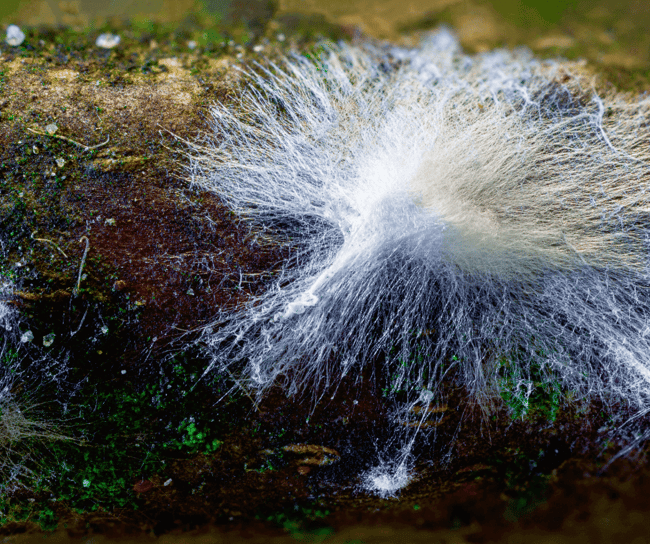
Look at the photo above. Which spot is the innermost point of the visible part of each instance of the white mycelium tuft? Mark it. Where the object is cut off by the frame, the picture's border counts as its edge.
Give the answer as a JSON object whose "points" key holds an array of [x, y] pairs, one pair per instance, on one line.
{"points": [[438, 205]]}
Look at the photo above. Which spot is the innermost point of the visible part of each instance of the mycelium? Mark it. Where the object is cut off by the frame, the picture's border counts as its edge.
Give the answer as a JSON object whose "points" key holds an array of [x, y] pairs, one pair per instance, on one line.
{"points": [[469, 209]]}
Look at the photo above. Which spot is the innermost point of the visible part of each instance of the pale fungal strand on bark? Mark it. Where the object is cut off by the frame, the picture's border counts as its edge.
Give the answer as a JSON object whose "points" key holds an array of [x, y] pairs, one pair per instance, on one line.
{"points": [[497, 200]]}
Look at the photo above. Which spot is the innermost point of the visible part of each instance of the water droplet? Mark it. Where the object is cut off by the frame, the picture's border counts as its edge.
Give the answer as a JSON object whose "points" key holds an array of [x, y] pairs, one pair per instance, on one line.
{"points": [[107, 40], [48, 340], [15, 36]]}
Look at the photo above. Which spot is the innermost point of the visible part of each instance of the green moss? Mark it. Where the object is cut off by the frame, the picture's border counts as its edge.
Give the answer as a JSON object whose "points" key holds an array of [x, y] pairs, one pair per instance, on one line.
{"points": [[529, 390], [304, 524], [123, 435]]}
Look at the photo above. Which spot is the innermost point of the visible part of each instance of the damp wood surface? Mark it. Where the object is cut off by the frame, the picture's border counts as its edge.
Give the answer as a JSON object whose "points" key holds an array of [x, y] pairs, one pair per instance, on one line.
{"points": [[161, 258]]}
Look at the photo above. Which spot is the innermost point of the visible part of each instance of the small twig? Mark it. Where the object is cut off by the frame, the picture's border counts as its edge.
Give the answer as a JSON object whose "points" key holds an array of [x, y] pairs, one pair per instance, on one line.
{"points": [[83, 262], [80, 324], [49, 242], [86, 147]]}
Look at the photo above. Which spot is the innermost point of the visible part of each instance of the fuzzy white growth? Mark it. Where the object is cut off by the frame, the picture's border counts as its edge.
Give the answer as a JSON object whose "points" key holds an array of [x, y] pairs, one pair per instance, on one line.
{"points": [[485, 207], [388, 478], [8, 320], [12, 422], [21, 422]]}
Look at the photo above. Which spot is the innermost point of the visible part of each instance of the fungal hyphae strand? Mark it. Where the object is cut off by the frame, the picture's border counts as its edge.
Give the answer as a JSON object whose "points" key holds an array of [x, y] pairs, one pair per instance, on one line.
{"points": [[495, 199]]}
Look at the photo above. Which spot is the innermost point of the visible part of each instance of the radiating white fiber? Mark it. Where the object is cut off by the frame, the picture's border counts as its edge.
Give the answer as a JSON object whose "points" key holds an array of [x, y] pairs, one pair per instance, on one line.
{"points": [[440, 204]]}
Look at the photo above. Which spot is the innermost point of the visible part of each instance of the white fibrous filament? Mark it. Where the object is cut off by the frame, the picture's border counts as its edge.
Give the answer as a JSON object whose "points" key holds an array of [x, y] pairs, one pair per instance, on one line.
{"points": [[496, 199]]}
